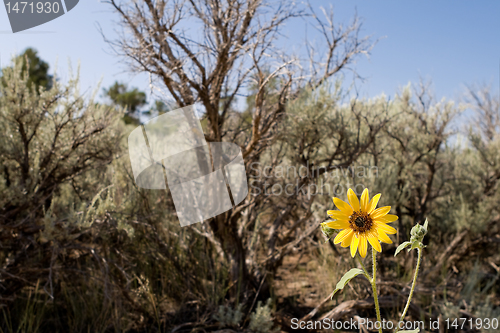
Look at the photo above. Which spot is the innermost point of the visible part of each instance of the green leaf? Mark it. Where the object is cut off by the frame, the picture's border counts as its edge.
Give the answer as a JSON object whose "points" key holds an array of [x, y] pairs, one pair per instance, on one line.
{"points": [[346, 278], [426, 223], [415, 244], [416, 330], [401, 247]]}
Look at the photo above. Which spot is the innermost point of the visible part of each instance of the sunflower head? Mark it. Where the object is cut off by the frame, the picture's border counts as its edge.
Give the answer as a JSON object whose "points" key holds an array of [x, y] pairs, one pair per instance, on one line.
{"points": [[361, 222]]}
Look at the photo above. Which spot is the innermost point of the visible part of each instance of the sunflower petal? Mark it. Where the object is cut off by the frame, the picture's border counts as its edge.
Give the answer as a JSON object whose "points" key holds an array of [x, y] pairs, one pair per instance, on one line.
{"points": [[373, 203], [341, 236], [339, 224], [338, 214], [385, 228], [362, 246], [347, 241], [373, 239], [343, 206], [382, 236], [387, 218], [354, 245], [364, 200], [380, 212], [353, 199]]}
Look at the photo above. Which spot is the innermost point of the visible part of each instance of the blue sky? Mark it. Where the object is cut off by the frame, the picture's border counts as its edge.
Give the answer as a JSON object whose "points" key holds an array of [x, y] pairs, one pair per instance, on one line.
{"points": [[452, 43]]}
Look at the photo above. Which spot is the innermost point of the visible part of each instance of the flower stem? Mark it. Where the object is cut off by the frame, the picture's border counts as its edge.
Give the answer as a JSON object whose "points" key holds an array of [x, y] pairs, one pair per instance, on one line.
{"points": [[373, 283], [367, 275], [374, 288], [419, 250]]}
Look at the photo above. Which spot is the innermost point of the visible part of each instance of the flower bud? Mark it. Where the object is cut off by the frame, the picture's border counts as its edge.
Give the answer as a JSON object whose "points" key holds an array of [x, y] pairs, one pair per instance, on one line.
{"points": [[327, 231], [418, 232]]}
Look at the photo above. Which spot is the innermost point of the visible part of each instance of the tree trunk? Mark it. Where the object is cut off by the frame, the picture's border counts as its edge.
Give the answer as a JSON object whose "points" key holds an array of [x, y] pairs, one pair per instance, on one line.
{"points": [[225, 230]]}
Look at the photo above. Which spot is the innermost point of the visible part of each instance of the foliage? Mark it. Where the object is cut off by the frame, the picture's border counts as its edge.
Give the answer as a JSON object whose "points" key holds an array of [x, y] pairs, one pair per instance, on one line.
{"points": [[351, 274], [226, 316], [417, 235], [37, 70], [80, 238], [131, 100], [261, 320], [54, 139], [113, 255]]}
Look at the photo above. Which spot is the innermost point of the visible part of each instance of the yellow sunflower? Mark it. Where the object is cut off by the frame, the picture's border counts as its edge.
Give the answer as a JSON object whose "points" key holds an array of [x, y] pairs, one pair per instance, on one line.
{"points": [[361, 223]]}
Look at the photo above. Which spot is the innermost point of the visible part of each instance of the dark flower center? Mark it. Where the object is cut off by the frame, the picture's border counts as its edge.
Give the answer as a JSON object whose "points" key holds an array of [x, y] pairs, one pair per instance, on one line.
{"points": [[360, 222]]}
